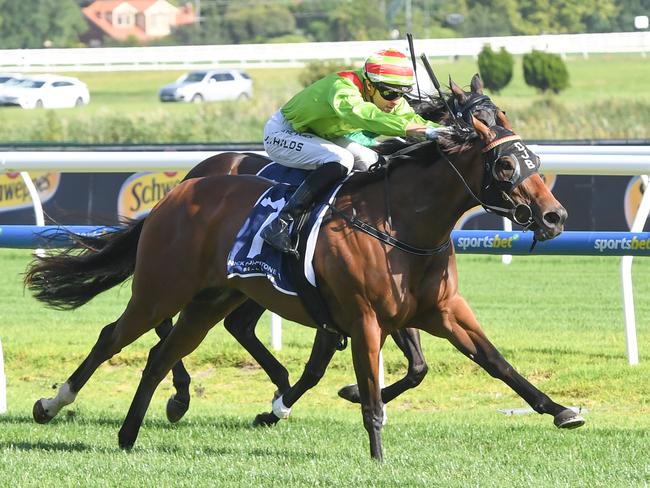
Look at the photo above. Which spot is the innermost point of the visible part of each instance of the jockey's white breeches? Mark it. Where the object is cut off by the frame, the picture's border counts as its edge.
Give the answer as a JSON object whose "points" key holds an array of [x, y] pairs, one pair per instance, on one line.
{"points": [[308, 151]]}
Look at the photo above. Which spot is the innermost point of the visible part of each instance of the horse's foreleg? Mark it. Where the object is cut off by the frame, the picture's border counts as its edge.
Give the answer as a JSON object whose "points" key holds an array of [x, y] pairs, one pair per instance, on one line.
{"points": [[408, 340], [468, 336], [111, 340], [196, 319], [366, 346], [321, 354], [178, 402], [241, 323]]}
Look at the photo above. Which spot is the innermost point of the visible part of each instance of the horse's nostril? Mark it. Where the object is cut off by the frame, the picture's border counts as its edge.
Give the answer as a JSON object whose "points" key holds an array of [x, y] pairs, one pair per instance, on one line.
{"points": [[556, 217], [551, 218]]}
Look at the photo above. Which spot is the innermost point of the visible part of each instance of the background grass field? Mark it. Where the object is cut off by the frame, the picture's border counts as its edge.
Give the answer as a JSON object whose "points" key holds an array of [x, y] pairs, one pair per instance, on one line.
{"points": [[608, 99], [557, 319]]}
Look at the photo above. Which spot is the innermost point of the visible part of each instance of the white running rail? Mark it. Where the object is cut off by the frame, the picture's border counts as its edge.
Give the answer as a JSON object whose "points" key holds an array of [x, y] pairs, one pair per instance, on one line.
{"points": [[297, 54]]}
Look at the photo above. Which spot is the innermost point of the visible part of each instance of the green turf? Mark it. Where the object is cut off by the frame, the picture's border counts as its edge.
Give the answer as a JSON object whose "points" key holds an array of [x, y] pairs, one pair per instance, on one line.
{"points": [[557, 319]]}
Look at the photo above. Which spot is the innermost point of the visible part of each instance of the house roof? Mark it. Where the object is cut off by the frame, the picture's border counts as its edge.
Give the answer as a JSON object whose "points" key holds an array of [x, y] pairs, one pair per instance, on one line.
{"points": [[94, 13]]}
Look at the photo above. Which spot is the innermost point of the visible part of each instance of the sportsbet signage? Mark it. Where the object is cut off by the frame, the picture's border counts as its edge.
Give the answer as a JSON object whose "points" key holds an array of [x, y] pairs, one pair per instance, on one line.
{"points": [[487, 241], [141, 191], [14, 194]]}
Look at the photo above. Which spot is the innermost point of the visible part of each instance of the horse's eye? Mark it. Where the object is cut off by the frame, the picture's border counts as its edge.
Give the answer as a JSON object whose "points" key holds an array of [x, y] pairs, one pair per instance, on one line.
{"points": [[504, 169]]}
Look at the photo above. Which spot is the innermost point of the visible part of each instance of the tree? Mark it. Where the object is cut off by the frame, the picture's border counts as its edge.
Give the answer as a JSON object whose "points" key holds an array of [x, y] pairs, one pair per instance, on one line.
{"points": [[545, 71], [342, 20], [531, 17], [495, 68], [30, 23], [628, 9], [258, 23]]}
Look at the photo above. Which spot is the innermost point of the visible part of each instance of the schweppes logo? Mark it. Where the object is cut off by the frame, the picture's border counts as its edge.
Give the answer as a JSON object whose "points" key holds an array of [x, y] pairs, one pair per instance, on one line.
{"points": [[141, 191], [14, 194], [633, 195]]}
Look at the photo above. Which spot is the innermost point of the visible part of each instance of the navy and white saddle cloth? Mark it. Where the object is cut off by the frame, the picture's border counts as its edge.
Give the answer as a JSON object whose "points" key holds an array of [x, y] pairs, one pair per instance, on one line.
{"points": [[251, 256]]}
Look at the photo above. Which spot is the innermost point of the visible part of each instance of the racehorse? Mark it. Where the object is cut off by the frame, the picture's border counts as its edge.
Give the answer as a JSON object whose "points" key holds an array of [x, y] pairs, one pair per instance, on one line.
{"points": [[242, 321], [371, 288]]}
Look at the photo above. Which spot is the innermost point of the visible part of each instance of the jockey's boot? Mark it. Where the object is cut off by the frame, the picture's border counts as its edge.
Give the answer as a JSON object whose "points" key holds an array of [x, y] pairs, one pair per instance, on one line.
{"points": [[277, 233]]}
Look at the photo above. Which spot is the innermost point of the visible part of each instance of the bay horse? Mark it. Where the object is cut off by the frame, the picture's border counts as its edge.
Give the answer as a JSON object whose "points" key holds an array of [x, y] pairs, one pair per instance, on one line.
{"points": [[371, 288], [242, 321]]}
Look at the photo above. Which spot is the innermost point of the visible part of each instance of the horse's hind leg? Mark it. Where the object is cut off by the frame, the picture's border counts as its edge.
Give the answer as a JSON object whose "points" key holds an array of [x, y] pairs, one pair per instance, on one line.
{"points": [[241, 323], [321, 354], [112, 339], [466, 334], [179, 402], [196, 319], [408, 340]]}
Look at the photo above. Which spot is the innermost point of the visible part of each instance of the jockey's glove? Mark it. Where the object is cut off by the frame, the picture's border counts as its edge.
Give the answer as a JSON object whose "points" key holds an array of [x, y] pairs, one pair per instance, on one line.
{"points": [[432, 133]]}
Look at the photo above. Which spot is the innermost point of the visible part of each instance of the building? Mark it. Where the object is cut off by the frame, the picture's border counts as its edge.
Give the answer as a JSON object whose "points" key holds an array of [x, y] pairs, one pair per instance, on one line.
{"points": [[142, 20]]}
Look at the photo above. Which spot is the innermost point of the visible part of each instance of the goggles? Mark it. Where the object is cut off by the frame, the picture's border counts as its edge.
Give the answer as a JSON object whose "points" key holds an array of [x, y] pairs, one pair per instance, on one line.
{"points": [[390, 93]]}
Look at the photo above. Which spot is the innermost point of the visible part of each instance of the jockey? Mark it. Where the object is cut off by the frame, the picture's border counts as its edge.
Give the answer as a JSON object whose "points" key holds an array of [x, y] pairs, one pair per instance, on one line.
{"points": [[329, 127]]}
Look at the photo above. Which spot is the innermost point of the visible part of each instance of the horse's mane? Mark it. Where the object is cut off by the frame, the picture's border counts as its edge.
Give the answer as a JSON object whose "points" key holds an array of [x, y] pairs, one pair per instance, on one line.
{"points": [[432, 108], [449, 143], [429, 107]]}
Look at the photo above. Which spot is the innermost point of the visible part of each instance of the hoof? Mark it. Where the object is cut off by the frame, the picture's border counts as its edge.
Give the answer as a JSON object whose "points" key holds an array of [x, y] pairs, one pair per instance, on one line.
{"points": [[39, 413], [350, 393], [265, 420], [568, 419], [176, 409], [125, 446], [125, 442]]}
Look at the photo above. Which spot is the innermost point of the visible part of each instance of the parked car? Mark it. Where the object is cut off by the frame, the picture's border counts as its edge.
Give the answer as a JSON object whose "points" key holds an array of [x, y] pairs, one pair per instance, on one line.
{"points": [[208, 85], [9, 79], [45, 91]]}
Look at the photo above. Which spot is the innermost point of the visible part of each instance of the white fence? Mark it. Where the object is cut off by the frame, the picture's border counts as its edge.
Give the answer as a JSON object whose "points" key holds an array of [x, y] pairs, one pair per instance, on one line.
{"points": [[558, 159], [297, 54]]}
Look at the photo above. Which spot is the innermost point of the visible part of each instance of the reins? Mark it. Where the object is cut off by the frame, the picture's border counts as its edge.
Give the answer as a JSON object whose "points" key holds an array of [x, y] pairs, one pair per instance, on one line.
{"points": [[386, 238], [357, 223], [486, 206]]}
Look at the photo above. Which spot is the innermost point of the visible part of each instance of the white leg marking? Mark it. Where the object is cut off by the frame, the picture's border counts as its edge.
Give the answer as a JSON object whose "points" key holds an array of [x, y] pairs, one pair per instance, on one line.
{"points": [[64, 397], [279, 409]]}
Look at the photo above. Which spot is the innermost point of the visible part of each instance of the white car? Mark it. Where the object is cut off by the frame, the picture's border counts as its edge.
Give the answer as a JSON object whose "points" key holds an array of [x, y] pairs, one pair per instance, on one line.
{"points": [[208, 85], [9, 79], [45, 91]]}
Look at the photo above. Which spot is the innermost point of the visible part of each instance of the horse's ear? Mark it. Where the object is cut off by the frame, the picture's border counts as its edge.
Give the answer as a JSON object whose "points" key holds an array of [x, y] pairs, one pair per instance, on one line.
{"points": [[483, 130], [477, 84], [457, 91], [503, 120]]}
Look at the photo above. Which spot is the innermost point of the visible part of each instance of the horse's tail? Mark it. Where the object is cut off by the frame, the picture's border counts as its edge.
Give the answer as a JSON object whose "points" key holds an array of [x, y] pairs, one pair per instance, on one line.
{"points": [[69, 279]]}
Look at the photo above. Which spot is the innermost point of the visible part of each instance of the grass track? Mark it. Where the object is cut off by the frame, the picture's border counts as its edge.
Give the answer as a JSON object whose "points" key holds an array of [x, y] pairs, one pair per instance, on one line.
{"points": [[557, 319]]}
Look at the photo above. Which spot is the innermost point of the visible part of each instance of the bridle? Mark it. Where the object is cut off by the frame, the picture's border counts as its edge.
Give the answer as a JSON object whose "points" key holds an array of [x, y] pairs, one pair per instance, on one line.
{"points": [[506, 143], [501, 146], [506, 139], [465, 110]]}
